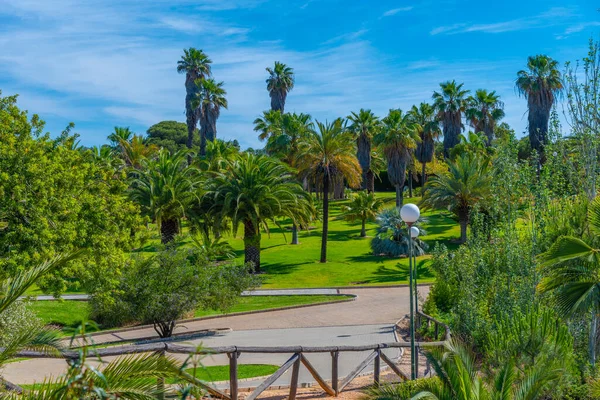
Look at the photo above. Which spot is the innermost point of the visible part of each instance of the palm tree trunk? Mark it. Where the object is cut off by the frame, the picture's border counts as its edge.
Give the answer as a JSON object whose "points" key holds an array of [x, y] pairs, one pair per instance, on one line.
{"points": [[463, 230], [169, 228], [363, 231], [399, 195], [252, 245], [422, 178], [592, 339], [295, 234], [370, 182], [325, 218], [363, 146], [410, 184]]}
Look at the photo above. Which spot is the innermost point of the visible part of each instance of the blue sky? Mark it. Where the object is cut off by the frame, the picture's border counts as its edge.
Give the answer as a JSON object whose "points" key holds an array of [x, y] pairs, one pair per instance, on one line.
{"points": [[106, 63]]}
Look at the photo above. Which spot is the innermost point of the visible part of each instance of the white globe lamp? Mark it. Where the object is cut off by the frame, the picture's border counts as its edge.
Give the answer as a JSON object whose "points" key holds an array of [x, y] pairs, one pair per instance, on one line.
{"points": [[410, 213], [414, 232]]}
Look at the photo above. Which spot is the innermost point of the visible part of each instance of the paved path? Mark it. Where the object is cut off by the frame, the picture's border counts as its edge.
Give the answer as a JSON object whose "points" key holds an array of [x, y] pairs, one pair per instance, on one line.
{"points": [[366, 320]]}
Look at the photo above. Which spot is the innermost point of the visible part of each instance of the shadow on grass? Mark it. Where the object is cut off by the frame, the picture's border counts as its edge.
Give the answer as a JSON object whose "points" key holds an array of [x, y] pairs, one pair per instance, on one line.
{"points": [[399, 273]]}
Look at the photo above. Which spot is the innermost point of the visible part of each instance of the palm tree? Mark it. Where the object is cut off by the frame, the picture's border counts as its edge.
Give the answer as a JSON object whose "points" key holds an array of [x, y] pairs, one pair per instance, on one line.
{"points": [[136, 150], [472, 143], [120, 134], [571, 270], [269, 124], [254, 190], [540, 84], [398, 138], [450, 104], [218, 154], [364, 207], [484, 111], [392, 240], [325, 155], [364, 126], [196, 65], [165, 188], [211, 99], [467, 183], [457, 378], [279, 84], [11, 289], [429, 130]]}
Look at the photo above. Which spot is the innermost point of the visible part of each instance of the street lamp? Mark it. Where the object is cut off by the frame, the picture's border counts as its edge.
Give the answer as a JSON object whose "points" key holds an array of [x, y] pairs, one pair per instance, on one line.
{"points": [[414, 233], [410, 214]]}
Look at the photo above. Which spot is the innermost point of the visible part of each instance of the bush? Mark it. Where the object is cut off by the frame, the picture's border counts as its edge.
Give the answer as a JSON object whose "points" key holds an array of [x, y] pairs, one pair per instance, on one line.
{"points": [[167, 287], [16, 320], [392, 239]]}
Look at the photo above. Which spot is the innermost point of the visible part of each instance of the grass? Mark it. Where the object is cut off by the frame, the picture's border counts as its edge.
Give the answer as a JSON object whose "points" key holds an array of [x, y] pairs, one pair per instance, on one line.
{"points": [[69, 313], [350, 261], [215, 373]]}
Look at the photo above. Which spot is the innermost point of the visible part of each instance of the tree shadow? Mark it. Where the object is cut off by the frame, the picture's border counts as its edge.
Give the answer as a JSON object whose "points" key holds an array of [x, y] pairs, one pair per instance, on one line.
{"points": [[399, 272]]}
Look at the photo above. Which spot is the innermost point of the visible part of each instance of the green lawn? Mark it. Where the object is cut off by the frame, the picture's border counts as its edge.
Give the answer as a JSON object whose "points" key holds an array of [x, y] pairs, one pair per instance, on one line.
{"points": [[215, 373], [69, 313], [350, 261]]}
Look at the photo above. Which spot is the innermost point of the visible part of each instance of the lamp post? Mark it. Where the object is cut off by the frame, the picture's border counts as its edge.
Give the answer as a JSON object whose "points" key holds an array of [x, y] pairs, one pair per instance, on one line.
{"points": [[410, 214], [414, 233]]}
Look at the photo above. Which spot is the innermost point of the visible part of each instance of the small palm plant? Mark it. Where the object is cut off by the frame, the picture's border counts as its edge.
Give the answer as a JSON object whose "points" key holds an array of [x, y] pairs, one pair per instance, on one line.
{"points": [[364, 207], [392, 236], [571, 269]]}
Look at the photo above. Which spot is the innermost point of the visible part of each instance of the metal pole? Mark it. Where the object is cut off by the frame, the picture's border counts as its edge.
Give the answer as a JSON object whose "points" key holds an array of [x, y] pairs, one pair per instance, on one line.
{"points": [[412, 314], [415, 278]]}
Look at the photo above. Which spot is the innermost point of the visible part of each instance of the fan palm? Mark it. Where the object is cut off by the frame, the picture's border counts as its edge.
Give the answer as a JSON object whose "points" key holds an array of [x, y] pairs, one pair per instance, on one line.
{"points": [[364, 207], [484, 111], [450, 103], [467, 183], [364, 126], [269, 124], [429, 130], [398, 138], [196, 65], [326, 154], [540, 84], [571, 270], [279, 84], [119, 134], [254, 190], [211, 99], [165, 188]]}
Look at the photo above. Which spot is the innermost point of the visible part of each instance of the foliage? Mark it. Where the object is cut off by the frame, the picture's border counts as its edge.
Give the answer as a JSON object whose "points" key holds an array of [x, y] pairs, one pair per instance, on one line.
{"points": [[16, 321], [364, 125], [210, 99], [363, 207], [279, 83], [392, 237], [484, 111], [450, 104], [172, 136], [162, 289], [54, 199]]}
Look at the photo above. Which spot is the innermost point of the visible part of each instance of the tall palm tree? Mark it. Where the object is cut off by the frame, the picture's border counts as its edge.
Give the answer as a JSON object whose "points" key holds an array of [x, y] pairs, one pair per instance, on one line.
{"points": [[196, 65], [450, 104], [571, 270], [279, 84], [398, 138], [429, 130], [364, 126], [326, 154], [484, 111], [211, 99], [254, 190], [467, 183], [457, 378], [165, 188], [363, 206], [540, 83]]}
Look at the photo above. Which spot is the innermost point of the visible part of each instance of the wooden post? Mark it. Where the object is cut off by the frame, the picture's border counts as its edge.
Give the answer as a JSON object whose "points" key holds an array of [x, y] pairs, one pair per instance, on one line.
{"points": [[334, 372], [233, 375], [377, 367], [437, 330], [294, 381]]}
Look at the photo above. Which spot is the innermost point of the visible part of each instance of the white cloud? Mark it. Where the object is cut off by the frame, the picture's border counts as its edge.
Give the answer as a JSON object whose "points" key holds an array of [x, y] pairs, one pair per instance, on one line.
{"points": [[395, 11]]}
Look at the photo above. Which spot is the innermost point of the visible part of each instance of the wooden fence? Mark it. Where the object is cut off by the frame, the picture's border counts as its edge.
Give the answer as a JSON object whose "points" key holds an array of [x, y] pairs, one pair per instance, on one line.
{"points": [[299, 357]]}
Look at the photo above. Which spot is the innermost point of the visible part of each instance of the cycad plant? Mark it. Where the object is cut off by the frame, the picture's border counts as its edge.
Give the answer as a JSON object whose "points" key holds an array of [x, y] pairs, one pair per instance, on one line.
{"points": [[392, 236], [364, 207], [571, 269]]}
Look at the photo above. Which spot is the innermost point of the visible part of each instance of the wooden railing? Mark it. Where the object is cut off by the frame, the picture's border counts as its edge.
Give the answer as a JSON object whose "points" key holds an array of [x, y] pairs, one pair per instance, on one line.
{"points": [[299, 357], [437, 325]]}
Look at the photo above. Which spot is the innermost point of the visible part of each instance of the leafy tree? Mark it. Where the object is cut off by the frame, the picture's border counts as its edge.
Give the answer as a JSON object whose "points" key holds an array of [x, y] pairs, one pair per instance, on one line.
{"points": [[196, 65], [429, 130], [540, 83], [450, 104], [364, 207], [324, 155], [364, 126], [252, 191], [165, 189], [467, 184], [211, 99], [570, 269], [484, 111], [279, 83], [55, 199], [171, 135], [398, 138], [392, 236], [169, 286]]}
